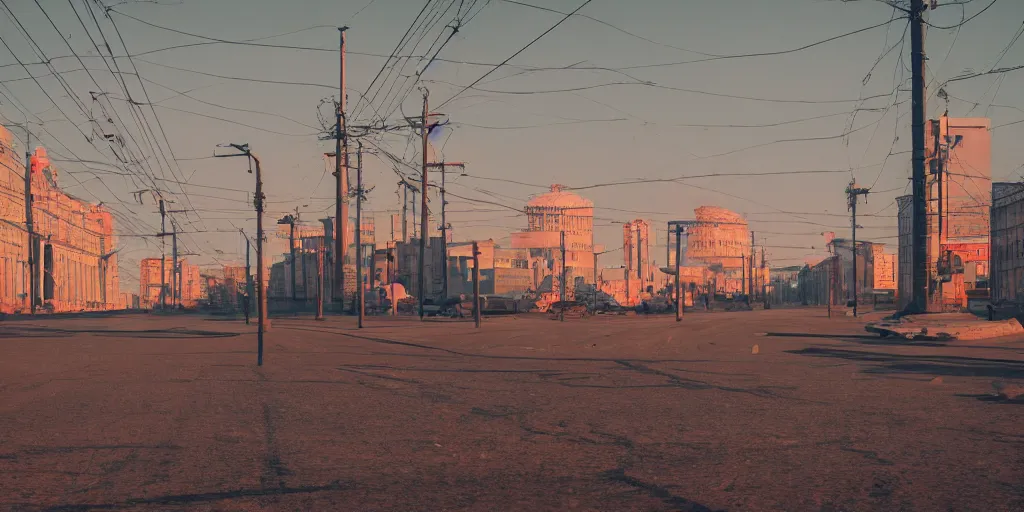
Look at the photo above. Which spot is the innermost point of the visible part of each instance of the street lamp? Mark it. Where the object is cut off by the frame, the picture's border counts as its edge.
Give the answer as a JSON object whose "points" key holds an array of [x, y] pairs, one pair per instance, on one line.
{"points": [[263, 323]]}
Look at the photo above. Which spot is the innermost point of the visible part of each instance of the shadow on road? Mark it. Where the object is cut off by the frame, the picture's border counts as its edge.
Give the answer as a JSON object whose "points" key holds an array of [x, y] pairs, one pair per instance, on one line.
{"points": [[29, 331], [956, 366]]}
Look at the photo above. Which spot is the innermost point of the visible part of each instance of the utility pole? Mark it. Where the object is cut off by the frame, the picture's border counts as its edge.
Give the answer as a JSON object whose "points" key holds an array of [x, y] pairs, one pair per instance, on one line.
{"points": [[920, 223], [680, 296], [743, 273], [764, 275], [476, 285], [320, 280], [163, 257], [32, 283], [302, 253], [562, 277], [444, 223], [852, 191], [248, 269], [360, 292], [405, 211], [341, 175], [639, 260], [753, 256], [391, 279], [174, 265], [258, 198], [415, 228], [291, 254], [424, 131]]}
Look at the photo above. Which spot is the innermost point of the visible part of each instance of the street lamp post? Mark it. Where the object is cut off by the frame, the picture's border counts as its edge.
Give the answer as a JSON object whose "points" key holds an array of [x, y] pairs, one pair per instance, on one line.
{"points": [[263, 323]]}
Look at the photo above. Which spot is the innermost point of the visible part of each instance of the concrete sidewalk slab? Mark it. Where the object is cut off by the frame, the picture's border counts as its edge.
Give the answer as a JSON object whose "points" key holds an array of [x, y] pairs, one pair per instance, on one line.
{"points": [[945, 326]]}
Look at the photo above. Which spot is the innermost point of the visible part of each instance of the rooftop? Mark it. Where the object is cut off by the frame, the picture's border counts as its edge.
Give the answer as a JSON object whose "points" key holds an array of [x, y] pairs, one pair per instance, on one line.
{"points": [[558, 197]]}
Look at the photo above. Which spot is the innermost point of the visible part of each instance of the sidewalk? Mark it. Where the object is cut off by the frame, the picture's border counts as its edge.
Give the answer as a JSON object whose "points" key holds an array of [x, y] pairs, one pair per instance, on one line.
{"points": [[945, 326]]}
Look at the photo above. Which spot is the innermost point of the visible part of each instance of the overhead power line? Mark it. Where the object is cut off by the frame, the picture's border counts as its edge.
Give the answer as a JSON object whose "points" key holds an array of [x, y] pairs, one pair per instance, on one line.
{"points": [[514, 55]]}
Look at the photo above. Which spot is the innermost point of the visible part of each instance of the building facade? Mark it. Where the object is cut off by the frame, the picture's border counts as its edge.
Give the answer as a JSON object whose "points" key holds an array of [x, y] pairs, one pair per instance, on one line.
{"points": [[959, 201], [551, 216], [716, 248], [184, 290], [74, 244], [1007, 254], [833, 277]]}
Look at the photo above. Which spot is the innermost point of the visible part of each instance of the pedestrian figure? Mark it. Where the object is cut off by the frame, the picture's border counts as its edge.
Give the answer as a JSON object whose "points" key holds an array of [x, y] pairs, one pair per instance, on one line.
{"points": [[245, 307], [707, 302]]}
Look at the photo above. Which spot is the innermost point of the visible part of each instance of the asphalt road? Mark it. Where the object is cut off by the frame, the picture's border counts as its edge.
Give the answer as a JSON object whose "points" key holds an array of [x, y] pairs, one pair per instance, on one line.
{"points": [[621, 413]]}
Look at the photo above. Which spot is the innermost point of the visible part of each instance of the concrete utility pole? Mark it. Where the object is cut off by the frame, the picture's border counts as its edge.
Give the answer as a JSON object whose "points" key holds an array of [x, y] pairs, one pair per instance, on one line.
{"points": [[680, 296], [424, 234], [444, 223], [341, 180], [360, 291], [258, 198], [852, 191], [920, 214], [476, 285], [32, 271]]}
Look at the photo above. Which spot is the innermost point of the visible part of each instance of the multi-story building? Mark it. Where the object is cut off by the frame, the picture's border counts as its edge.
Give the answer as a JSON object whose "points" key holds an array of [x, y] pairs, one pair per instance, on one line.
{"points": [[503, 271], [1007, 271], [716, 249], [959, 198], [551, 217], [189, 284], [876, 271], [74, 243]]}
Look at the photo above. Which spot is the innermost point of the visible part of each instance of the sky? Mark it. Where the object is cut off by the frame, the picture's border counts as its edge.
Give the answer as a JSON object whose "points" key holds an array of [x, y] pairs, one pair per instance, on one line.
{"points": [[638, 92]]}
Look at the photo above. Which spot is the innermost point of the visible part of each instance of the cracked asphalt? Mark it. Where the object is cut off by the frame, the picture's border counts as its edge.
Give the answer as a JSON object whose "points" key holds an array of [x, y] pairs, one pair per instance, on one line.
{"points": [[148, 412]]}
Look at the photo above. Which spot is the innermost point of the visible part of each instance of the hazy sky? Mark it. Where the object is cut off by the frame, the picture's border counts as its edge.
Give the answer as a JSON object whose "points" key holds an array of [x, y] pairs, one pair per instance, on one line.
{"points": [[674, 119]]}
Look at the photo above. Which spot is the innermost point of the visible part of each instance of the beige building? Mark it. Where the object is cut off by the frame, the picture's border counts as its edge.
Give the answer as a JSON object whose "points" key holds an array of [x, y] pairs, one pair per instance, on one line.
{"points": [[74, 245], [187, 290], [959, 199], [550, 217]]}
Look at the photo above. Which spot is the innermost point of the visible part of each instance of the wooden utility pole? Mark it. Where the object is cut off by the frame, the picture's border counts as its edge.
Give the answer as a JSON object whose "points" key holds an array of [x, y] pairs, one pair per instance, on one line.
{"points": [[424, 234], [174, 265], [320, 280], [341, 180], [302, 254], [680, 296], [562, 277], [405, 211], [918, 186], [444, 224], [248, 272], [32, 265], [852, 191], [360, 292], [753, 256], [476, 285], [163, 257], [743, 273]]}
